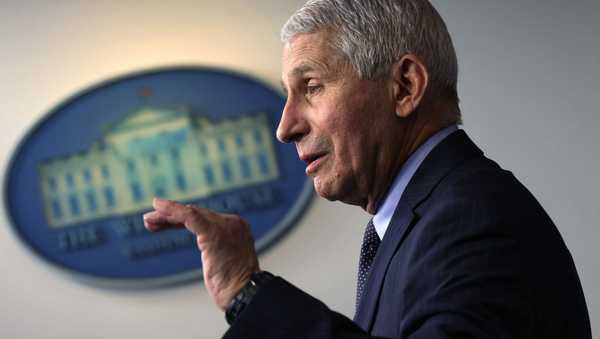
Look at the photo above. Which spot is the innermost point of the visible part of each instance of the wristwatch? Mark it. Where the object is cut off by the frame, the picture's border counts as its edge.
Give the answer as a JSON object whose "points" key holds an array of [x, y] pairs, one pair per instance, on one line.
{"points": [[245, 295]]}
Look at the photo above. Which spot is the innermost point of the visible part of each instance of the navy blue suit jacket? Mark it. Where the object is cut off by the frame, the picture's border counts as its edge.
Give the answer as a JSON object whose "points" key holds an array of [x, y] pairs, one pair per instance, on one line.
{"points": [[469, 253]]}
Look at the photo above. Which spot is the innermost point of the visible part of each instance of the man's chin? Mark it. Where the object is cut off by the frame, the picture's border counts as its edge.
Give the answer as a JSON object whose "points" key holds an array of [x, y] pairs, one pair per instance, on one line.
{"points": [[328, 189], [323, 189], [332, 192]]}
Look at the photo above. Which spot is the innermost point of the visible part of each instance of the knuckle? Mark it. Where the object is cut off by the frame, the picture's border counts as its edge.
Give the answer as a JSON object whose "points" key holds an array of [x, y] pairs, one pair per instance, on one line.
{"points": [[191, 212], [237, 219], [241, 223]]}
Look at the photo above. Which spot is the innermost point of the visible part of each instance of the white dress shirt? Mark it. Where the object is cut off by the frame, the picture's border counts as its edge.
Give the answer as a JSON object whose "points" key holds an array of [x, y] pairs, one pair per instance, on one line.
{"points": [[384, 213]]}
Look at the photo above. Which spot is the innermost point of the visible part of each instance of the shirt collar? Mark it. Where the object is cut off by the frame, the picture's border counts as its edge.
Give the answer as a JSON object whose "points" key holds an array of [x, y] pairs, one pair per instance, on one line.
{"points": [[384, 214]]}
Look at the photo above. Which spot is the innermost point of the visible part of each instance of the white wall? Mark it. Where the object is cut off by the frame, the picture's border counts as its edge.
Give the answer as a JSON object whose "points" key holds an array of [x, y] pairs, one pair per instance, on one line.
{"points": [[528, 85], [530, 82]]}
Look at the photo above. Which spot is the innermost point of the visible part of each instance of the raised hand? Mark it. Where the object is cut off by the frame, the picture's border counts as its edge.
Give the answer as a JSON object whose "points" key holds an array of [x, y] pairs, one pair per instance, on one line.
{"points": [[225, 240]]}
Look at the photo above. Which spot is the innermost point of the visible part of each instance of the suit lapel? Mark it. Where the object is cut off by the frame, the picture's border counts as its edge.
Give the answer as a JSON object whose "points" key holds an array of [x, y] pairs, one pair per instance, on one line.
{"points": [[449, 154], [403, 217]]}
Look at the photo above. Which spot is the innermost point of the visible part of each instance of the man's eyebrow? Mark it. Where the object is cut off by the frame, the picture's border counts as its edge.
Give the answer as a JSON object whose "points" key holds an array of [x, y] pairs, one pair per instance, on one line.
{"points": [[301, 69]]}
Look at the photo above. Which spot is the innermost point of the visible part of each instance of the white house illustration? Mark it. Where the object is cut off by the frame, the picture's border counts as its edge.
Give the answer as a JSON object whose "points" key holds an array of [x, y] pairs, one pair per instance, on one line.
{"points": [[157, 152]]}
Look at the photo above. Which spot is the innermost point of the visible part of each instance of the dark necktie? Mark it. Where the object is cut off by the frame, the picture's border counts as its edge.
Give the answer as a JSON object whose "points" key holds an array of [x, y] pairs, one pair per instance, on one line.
{"points": [[368, 250]]}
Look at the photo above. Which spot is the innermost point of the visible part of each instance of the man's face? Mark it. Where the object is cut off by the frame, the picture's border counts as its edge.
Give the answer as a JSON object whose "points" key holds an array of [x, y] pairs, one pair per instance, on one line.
{"points": [[341, 125]]}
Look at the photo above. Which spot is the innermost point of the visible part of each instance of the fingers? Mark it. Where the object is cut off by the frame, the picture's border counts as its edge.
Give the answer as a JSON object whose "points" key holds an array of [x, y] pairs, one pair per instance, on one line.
{"points": [[225, 240], [155, 221], [195, 219]]}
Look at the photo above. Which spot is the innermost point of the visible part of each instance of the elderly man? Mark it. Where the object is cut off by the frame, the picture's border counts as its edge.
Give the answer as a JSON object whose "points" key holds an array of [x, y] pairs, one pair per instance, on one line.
{"points": [[457, 247]]}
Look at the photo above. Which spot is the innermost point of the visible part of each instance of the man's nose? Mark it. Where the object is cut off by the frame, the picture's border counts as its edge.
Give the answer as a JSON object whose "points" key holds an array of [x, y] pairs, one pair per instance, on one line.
{"points": [[293, 125]]}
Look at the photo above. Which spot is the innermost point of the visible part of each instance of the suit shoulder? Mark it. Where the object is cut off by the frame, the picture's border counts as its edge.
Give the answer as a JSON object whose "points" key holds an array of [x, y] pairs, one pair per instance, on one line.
{"points": [[487, 198], [487, 194], [483, 181]]}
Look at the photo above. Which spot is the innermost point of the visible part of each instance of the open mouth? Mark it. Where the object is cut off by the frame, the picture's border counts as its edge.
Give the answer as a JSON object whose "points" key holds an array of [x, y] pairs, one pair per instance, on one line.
{"points": [[312, 162], [310, 158]]}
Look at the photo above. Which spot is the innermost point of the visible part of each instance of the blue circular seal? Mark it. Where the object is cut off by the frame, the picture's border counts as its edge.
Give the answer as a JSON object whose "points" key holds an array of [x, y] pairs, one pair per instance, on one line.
{"points": [[81, 179]]}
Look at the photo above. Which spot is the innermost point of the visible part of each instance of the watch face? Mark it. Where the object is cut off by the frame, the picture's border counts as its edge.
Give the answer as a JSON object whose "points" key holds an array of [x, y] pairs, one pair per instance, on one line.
{"points": [[80, 181]]}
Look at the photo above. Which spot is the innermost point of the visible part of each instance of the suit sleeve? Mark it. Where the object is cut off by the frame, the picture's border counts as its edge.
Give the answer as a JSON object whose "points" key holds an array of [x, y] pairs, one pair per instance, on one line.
{"points": [[281, 310]]}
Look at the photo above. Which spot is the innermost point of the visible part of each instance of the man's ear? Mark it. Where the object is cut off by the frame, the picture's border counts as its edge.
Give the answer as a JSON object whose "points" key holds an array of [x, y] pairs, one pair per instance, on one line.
{"points": [[410, 82]]}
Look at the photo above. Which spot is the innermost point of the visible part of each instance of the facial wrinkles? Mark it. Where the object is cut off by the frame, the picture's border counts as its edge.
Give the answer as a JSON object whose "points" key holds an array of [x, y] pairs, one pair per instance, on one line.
{"points": [[379, 145], [355, 137], [317, 141], [337, 119], [304, 56], [312, 146], [304, 63]]}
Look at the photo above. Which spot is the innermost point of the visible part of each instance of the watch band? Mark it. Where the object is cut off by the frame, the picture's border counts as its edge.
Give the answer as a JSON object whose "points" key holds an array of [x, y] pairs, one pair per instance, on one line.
{"points": [[245, 295]]}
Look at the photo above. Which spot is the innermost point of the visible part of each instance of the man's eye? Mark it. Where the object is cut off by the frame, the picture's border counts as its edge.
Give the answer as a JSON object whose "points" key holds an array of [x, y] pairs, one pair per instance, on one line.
{"points": [[313, 89]]}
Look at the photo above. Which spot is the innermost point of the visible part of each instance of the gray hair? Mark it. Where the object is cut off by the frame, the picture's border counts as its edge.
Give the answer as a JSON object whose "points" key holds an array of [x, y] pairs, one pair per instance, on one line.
{"points": [[373, 34]]}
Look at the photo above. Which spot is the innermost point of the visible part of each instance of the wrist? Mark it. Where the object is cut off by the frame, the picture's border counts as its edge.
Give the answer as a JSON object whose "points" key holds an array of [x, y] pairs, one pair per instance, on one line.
{"points": [[245, 295], [229, 295]]}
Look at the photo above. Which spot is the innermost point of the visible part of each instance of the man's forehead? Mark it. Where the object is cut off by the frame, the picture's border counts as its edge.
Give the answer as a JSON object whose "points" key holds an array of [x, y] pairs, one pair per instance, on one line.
{"points": [[307, 48], [302, 57]]}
